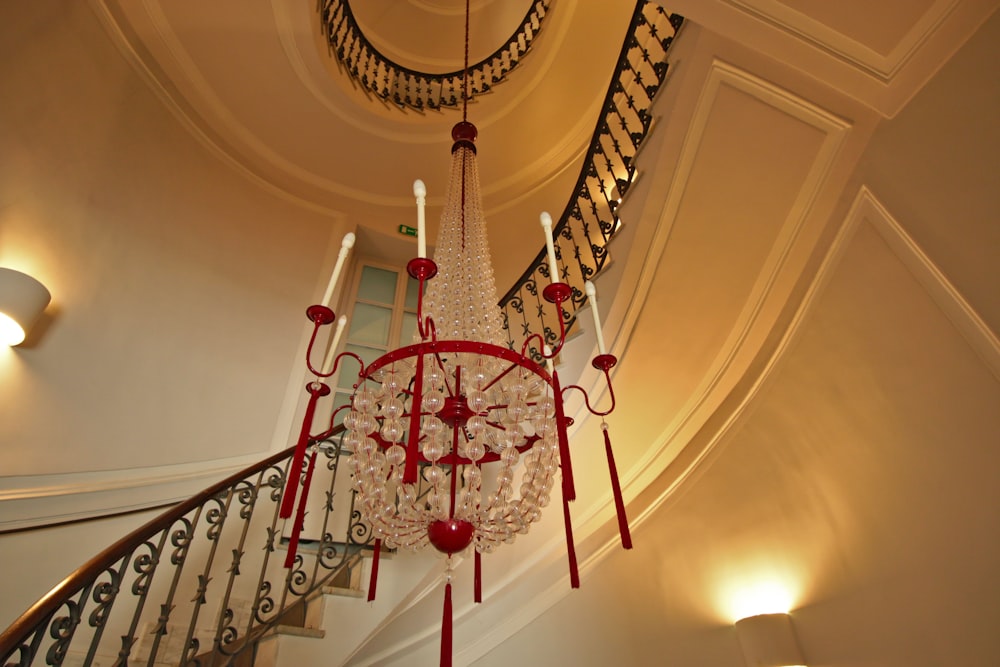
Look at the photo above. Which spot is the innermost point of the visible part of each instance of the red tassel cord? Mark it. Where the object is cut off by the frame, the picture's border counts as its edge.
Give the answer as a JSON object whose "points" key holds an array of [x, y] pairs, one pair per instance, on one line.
{"points": [[315, 389], [300, 515], [446, 628], [568, 488], [477, 580], [374, 576], [616, 490], [574, 573]]}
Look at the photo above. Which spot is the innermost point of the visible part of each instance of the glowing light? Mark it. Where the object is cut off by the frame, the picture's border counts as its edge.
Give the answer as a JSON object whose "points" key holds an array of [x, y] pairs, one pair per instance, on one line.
{"points": [[768, 596], [22, 300], [11, 333]]}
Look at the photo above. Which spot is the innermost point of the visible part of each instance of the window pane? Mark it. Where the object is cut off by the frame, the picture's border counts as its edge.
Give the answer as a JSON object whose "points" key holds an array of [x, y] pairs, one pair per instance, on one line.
{"points": [[412, 290], [370, 324], [377, 285], [409, 329], [367, 354]]}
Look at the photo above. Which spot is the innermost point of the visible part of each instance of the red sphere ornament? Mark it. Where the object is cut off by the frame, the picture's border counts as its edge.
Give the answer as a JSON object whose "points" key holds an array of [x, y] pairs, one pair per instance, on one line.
{"points": [[464, 131], [451, 535], [464, 135]]}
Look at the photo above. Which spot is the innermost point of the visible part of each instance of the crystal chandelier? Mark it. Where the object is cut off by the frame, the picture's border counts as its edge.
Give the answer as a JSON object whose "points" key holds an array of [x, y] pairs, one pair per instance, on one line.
{"points": [[457, 439]]}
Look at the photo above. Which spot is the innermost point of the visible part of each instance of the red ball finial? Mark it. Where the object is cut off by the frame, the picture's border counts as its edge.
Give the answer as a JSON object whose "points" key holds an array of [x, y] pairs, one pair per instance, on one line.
{"points": [[451, 535], [464, 131]]}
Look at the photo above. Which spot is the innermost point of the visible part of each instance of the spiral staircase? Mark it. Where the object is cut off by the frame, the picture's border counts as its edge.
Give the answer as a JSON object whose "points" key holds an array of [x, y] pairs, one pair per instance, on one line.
{"points": [[795, 223]]}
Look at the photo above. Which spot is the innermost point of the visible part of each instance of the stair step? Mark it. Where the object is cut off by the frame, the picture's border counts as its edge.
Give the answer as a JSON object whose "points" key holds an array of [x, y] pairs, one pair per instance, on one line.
{"points": [[343, 592], [294, 630]]}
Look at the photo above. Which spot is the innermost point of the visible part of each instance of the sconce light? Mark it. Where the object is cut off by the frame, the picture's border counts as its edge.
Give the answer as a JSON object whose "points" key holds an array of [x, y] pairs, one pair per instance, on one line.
{"points": [[768, 640], [22, 300]]}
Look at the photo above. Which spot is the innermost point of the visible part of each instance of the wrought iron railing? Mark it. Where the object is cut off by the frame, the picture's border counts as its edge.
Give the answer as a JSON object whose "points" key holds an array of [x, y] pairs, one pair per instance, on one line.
{"points": [[405, 87], [590, 219], [203, 583]]}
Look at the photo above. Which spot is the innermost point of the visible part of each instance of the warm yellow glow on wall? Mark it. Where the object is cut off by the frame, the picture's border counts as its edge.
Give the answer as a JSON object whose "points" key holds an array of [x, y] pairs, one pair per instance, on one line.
{"points": [[761, 597], [753, 589]]}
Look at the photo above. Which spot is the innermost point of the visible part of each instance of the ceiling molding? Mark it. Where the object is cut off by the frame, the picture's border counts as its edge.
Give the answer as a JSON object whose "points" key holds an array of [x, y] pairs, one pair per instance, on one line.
{"points": [[882, 81], [883, 67], [867, 208]]}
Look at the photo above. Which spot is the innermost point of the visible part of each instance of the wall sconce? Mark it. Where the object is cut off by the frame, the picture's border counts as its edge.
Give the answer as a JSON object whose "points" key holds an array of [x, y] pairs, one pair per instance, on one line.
{"points": [[768, 640], [22, 300]]}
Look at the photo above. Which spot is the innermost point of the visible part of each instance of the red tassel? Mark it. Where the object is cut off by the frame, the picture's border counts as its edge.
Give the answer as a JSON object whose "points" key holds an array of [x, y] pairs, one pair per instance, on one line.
{"points": [[568, 488], [413, 443], [574, 573], [477, 595], [374, 577], [616, 490], [446, 628], [300, 515], [292, 483]]}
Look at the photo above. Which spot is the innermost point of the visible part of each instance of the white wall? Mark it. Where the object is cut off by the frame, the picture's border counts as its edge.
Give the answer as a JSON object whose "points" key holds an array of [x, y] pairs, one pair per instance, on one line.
{"points": [[179, 288], [864, 473]]}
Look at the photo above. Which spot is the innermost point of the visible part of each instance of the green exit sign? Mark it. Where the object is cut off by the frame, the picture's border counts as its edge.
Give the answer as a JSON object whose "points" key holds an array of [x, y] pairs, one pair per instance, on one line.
{"points": [[407, 231]]}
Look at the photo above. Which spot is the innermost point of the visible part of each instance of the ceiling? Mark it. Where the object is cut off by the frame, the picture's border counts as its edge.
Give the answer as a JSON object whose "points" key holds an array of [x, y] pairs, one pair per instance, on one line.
{"points": [[806, 278], [255, 81]]}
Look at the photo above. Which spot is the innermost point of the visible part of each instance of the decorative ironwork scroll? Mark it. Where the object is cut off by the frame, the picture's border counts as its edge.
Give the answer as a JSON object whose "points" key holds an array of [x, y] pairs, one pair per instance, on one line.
{"points": [[202, 583], [409, 88], [590, 219]]}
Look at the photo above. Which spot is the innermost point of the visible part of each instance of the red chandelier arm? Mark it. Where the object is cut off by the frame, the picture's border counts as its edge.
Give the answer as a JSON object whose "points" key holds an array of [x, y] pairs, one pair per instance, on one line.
{"points": [[332, 429], [423, 269], [315, 389], [604, 363], [336, 364], [320, 316], [556, 293], [426, 328], [499, 377]]}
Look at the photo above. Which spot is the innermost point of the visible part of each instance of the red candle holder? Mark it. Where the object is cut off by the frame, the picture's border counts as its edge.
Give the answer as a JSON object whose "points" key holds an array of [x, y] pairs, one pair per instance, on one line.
{"points": [[557, 292], [320, 314], [421, 268]]}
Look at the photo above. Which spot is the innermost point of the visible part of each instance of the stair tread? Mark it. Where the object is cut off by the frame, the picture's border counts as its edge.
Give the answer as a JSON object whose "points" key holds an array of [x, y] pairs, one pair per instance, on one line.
{"points": [[343, 592], [297, 631]]}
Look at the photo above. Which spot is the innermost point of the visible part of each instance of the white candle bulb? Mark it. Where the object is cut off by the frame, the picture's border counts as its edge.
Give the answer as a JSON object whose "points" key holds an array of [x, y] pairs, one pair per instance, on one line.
{"points": [[345, 247], [548, 358], [331, 352], [549, 246], [592, 298], [420, 192]]}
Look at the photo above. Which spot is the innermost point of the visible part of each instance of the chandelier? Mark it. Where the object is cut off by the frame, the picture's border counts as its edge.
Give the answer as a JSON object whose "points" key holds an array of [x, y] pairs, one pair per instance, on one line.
{"points": [[457, 439]]}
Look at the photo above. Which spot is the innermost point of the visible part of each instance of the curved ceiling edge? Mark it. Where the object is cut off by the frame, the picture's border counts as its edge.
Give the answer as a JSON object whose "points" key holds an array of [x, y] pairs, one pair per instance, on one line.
{"points": [[118, 29], [316, 78]]}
